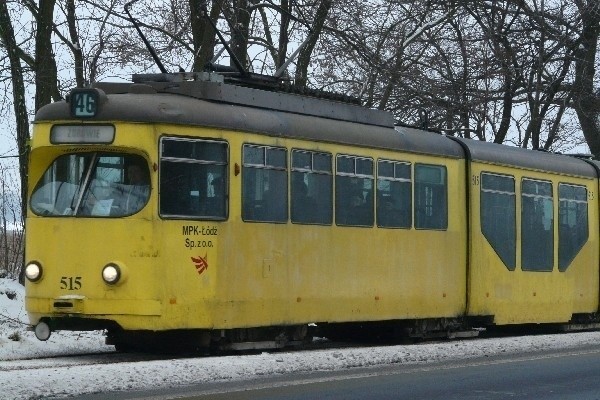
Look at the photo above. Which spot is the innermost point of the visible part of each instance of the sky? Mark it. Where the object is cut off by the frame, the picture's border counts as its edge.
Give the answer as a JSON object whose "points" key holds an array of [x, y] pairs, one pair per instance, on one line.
{"points": [[8, 144], [21, 354]]}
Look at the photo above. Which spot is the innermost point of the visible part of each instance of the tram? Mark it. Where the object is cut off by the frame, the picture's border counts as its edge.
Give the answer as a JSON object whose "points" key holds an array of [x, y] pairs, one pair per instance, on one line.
{"points": [[196, 209]]}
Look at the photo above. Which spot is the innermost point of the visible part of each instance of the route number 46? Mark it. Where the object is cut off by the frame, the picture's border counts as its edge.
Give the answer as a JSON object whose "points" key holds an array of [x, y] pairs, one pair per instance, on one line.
{"points": [[84, 103], [70, 283]]}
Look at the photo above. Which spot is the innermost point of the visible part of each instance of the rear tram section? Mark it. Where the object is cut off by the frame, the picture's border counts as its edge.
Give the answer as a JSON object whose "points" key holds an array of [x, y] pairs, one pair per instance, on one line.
{"points": [[533, 249], [206, 220]]}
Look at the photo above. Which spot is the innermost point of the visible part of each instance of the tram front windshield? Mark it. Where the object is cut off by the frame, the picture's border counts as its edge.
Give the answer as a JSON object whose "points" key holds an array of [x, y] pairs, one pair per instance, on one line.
{"points": [[93, 185]]}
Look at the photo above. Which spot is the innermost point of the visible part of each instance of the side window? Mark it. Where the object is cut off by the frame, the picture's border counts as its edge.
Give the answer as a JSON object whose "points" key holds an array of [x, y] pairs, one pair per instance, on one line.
{"points": [[264, 193], [312, 188], [431, 210], [193, 178], [498, 216], [354, 191], [537, 226], [394, 194], [572, 223]]}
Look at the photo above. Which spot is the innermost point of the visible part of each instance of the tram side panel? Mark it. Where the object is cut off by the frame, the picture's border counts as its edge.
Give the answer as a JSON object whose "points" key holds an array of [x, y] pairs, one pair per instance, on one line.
{"points": [[219, 275], [190, 267], [279, 272], [534, 247], [381, 273], [191, 222]]}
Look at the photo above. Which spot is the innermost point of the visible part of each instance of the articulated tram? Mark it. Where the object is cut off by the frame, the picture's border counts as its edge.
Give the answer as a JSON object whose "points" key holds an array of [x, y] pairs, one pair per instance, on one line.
{"points": [[192, 209]]}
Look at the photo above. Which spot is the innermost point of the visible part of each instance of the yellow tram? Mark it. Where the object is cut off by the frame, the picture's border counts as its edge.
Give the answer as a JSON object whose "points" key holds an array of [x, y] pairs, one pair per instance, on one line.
{"points": [[190, 209]]}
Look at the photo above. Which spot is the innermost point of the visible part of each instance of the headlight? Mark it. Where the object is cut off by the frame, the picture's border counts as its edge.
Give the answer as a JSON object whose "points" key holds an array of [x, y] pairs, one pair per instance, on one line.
{"points": [[111, 273], [33, 271]]}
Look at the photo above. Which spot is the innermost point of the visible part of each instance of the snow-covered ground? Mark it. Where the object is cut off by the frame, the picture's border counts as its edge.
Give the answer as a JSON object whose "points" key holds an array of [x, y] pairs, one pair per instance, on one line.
{"points": [[23, 376], [18, 343]]}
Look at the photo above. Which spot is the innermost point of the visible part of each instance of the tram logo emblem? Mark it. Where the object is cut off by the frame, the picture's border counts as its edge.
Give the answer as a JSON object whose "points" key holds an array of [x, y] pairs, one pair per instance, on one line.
{"points": [[201, 263]]}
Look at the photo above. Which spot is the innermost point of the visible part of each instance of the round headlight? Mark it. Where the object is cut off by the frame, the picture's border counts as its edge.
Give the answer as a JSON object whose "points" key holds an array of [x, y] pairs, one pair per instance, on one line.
{"points": [[111, 274], [33, 271]]}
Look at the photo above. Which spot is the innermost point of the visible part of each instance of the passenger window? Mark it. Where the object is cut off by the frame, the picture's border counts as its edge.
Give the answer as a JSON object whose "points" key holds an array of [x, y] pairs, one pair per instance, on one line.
{"points": [[312, 188], [537, 226], [572, 223], [431, 210], [264, 193], [354, 191], [394, 194], [193, 178], [498, 216]]}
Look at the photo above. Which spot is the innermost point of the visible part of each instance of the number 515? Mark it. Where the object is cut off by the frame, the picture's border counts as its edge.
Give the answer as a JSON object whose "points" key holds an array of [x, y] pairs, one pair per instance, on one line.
{"points": [[70, 282]]}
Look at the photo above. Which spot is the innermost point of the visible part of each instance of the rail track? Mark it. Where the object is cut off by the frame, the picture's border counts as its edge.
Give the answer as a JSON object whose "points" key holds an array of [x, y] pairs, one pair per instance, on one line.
{"points": [[115, 357]]}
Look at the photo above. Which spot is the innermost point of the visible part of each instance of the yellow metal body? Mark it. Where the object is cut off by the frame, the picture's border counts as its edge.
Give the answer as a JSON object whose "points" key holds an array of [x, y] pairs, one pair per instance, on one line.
{"points": [[516, 297], [232, 274]]}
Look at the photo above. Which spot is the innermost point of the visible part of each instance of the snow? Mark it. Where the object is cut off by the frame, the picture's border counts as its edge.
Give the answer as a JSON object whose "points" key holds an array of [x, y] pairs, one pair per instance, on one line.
{"points": [[26, 372], [18, 343]]}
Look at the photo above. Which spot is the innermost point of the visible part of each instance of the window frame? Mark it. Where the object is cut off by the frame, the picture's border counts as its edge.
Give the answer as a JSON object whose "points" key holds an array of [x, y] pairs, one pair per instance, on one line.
{"points": [[524, 241], [265, 166], [226, 163], [561, 267], [415, 194], [512, 267], [354, 174], [394, 179], [311, 170]]}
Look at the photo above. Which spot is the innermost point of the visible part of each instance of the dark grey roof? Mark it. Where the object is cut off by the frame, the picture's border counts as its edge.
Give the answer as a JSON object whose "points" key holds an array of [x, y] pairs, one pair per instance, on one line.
{"points": [[426, 142], [145, 105], [223, 106], [258, 98], [530, 159]]}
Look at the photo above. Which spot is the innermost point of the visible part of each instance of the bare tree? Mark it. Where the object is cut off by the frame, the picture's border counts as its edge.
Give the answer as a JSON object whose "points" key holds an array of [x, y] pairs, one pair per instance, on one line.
{"points": [[16, 55], [507, 71], [33, 69], [510, 71], [75, 44], [11, 224], [304, 57], [203, 32], [46, 74], [586, 101]]}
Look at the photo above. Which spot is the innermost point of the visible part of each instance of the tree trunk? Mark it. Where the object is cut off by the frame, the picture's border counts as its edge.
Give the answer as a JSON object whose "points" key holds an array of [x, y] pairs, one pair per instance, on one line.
{"points": [[202, 32], [305, 54], [76, 47], [18, 88], [283, 33], [239, 32], [7, 37], [585, 100], [46, 76]]}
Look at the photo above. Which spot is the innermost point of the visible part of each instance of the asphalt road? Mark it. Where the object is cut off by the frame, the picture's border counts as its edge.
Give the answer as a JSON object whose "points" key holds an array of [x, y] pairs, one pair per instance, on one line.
{"points": [[561, 375]]}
